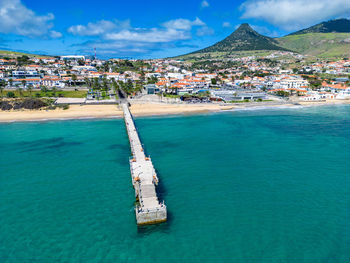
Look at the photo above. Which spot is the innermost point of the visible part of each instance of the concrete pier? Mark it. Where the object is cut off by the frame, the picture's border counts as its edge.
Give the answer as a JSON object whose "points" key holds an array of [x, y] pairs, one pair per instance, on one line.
{"points": [[144, 178]]}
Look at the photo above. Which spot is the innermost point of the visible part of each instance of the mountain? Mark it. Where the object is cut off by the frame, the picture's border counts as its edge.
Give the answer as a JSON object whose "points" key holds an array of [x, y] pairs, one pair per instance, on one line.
{"points": [[244, 38], [322, 45], [333, 26], [329, 39]]}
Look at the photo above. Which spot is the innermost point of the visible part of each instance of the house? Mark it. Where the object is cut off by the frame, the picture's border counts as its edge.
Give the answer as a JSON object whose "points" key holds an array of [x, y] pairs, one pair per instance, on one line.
{"points": [[151, 89], [344, 94], [35, 82], [53, 82]]}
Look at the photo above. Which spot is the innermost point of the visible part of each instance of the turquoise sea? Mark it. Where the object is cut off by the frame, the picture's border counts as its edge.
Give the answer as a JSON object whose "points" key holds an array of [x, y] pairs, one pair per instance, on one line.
{"points": [[245, 186]]}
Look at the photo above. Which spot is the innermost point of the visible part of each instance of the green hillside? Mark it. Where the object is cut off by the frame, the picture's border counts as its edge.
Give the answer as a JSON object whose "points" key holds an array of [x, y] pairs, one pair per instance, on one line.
{"points": [[244, 38], [323, 45], [333, 26], [13, 54]]}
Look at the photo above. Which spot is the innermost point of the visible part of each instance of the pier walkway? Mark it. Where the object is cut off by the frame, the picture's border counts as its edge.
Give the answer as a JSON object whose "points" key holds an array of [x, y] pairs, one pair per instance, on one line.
{"points": [[144, 178]]}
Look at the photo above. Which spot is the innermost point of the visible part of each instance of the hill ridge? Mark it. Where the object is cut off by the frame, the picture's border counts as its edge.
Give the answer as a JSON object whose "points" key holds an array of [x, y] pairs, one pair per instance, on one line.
{"points": [[244, 38]]}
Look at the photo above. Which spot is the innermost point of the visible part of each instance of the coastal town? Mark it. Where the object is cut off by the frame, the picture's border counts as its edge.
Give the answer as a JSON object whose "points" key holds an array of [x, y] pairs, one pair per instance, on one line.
{"points": [[158, 131], [278, 78]]}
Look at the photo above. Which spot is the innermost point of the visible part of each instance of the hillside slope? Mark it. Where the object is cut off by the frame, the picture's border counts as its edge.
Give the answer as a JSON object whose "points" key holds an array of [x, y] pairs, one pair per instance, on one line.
{"points": [[14, 54], [333, 26], [323, 45], [243, 39]]}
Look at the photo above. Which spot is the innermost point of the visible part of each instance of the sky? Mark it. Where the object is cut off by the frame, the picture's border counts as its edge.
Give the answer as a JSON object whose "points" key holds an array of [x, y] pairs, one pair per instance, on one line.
{"points": [[149, 29]]}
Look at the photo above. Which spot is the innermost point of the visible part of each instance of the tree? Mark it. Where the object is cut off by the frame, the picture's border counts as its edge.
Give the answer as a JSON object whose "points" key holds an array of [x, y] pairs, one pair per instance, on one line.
{"points": [[44, 89], [74, 78], [20, 91], [11, 82], [10, 94], [213, 81], [54, 91], [282, 93], [2, 86], [96, 84], [30, 89], [24, 82], [88, 82], [105, 83]]}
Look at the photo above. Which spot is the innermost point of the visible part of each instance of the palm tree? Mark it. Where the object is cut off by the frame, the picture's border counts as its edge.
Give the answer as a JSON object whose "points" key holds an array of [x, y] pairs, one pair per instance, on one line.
{"points": [[11, 82], [74, 78], [54, 91], [88, 82], [20, 91], [24, 83], [105, 83], [2, 86], [44, 89], [30, 88]]}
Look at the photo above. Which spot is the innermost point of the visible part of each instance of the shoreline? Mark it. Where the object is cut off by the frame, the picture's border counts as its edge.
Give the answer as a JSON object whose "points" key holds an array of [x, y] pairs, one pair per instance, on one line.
{"points": [[84, 112]]}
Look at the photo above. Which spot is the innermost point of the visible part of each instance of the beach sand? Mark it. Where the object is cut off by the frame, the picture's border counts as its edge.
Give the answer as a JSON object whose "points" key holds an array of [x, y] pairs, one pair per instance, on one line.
{"points": [[74, 112], [106, 111], [145, 109]]}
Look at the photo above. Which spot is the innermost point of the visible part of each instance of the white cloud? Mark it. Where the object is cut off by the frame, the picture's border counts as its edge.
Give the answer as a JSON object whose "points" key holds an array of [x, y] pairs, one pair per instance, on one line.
{"points": [[183, 24], [226, 24], [99, 28], [173, 30], [55, 34], [205, 31], [153, 35], [205, 4], [123, 38], [295, 14], [17, 19]]}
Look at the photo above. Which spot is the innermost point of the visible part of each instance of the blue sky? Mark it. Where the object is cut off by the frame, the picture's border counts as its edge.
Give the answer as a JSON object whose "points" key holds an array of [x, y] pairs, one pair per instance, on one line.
{"points": [[149, 29]]}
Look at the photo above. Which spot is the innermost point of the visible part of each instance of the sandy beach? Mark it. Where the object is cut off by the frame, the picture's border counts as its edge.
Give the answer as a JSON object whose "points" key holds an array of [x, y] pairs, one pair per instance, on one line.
{"points": [[106, 111], [146, 109], [74, 112]]}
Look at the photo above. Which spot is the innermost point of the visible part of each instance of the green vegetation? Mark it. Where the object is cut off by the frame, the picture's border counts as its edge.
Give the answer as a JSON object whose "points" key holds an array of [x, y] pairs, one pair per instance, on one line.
{"points": [[173, 96], [323, 45], [46, 93], [13, 54], [243, 39], [283, 93], [28, 103], [120, 66], [332, 26], [326, 40]]}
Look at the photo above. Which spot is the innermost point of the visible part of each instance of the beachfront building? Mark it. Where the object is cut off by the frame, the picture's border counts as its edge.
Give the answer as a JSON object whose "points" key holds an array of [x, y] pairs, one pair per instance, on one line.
{"points": [[151, 89], [34, 82], [344, 94], [231, 95], [25, 74], [53, 82], [293, 82], [73, 58]]}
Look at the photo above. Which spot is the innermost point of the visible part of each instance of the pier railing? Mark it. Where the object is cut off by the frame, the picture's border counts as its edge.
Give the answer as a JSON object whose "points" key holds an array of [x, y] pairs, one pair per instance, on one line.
{"points": [[144, 178]]}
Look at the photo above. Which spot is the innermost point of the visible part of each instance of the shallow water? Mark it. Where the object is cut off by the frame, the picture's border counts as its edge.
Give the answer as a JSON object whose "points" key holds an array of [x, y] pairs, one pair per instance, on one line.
{"points": [[249, 186]]}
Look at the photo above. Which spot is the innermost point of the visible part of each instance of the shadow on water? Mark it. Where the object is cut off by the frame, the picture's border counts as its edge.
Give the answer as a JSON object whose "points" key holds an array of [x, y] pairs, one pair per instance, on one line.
{"points": [[161, 188], [44, 145], [162, 227], [119, 146]]}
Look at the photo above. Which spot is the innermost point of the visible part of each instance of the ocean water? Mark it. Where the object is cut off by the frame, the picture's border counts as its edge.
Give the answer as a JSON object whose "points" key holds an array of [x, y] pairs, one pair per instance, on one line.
{"points": [[244, 186]]}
